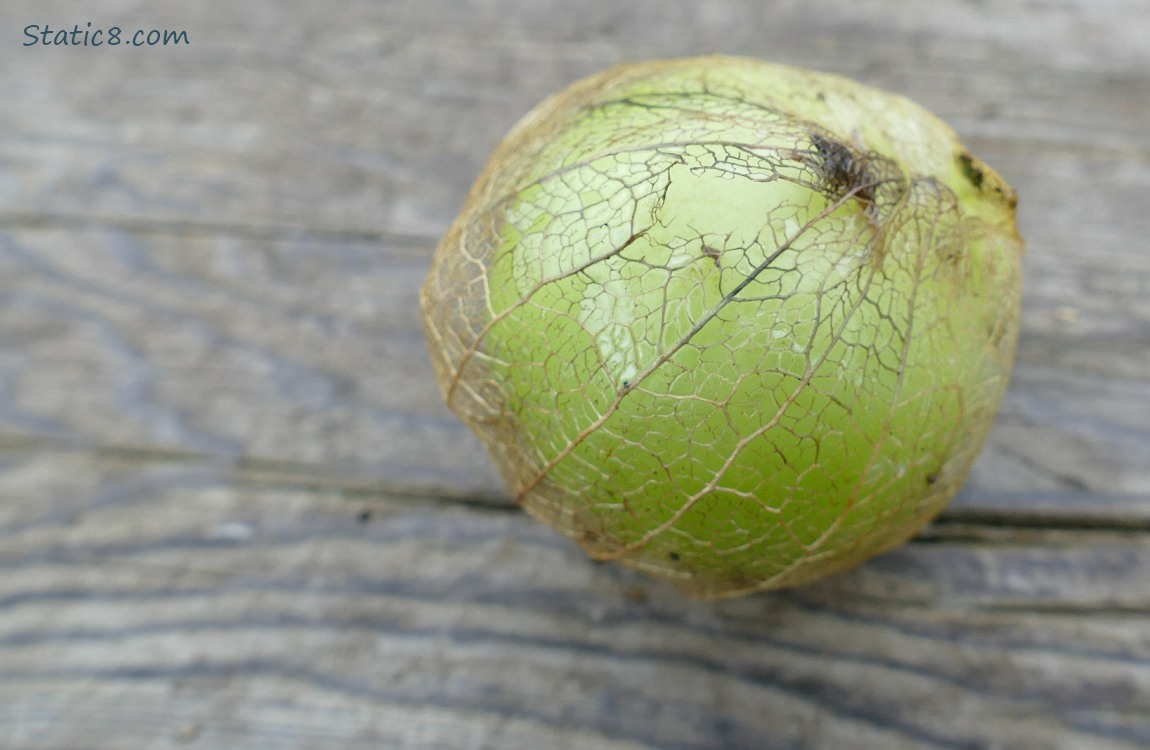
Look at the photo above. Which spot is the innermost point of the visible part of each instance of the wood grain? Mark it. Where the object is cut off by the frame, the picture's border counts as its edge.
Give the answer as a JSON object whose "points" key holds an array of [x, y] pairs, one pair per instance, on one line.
{"points": [[235, 513], [165, 600]]}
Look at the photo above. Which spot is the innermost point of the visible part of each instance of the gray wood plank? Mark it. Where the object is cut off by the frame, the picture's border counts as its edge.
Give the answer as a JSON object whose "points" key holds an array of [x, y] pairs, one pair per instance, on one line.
{"points": [[145, 603], [234, 512], [225, 252], [310, 352]]}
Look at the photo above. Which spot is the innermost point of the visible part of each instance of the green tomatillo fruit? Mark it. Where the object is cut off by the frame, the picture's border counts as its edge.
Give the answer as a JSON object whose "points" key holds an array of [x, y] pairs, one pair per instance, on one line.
{"points": [[734, 324]]}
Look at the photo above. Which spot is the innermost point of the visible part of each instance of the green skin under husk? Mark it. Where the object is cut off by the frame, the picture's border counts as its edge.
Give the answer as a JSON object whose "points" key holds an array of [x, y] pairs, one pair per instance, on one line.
{"points": [[735, 324]]}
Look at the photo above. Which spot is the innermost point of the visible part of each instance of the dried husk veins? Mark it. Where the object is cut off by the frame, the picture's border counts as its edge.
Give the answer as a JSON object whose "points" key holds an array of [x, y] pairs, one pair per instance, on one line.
{"points": [[735, 324]]}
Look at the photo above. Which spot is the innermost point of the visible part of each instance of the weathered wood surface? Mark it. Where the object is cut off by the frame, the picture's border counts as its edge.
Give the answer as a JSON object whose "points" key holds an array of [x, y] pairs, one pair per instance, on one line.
{"points": [[234, 513]]}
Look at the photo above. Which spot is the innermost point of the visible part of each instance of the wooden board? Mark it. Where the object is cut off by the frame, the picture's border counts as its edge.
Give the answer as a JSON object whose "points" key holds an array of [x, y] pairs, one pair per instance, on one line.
{"points": [[235, 513], [149, 603]]}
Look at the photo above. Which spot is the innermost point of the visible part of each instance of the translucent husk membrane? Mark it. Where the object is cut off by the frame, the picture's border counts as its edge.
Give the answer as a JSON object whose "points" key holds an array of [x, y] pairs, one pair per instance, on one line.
{"points": [[734, 324]]}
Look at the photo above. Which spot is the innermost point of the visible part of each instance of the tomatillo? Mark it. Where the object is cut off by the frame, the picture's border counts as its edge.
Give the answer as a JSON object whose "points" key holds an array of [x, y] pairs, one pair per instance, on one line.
{"points": [[735, 324]]}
